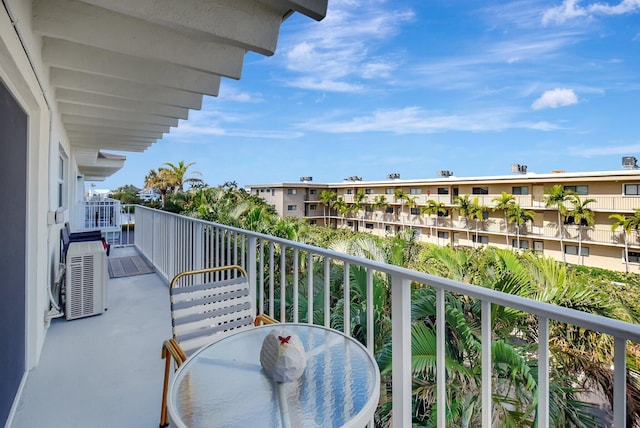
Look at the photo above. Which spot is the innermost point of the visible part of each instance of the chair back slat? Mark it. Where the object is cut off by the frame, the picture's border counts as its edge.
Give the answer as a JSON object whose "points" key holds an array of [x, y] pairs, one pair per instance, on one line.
{"points": [[201, 313]]}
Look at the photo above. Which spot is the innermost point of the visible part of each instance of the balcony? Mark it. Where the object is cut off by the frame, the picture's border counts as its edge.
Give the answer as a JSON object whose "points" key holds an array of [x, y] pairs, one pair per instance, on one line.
{"points": [[107, 369]]}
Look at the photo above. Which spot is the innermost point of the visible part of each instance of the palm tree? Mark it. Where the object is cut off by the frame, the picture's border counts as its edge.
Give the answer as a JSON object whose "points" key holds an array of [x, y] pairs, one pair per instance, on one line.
{"points": [[380, 203], [433, 208], [556, 197], [627, 226], [582, 215], [411, 203], [400, 195], [503, 202], [342, 207], [328, 198], [476, 212], [358, 204], [160, 180], [464, 206], [518, 216], [179, 175]]}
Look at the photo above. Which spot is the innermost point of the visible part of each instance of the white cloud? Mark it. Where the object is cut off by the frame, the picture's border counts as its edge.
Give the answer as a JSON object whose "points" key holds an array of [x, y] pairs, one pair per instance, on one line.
{"points": [[571, 9], [415, 120], [555, 98], [340, 51]]}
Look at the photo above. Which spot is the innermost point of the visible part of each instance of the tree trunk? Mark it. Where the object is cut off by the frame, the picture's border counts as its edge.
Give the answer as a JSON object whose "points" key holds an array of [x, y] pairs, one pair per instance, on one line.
{"points": [[626, 252], [564, 259]]}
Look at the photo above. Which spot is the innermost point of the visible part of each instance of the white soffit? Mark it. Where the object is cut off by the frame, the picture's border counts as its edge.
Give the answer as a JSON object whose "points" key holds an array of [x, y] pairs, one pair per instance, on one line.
{"points": [[124, 72]]}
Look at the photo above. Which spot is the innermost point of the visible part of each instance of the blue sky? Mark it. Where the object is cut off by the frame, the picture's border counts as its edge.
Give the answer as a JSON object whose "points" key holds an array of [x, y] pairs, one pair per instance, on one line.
{"points": [[414, 87]]}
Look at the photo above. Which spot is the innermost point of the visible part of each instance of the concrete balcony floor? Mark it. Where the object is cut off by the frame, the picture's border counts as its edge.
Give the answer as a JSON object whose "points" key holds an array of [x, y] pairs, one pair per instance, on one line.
{"points": [[105, 370]]}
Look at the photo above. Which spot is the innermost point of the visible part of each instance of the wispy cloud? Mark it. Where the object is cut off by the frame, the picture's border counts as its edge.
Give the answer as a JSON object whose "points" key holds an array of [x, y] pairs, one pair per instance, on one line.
{"points": [[621, 150], [194, 133], [230, 93], [415, 120], [571, 9], [340, 52], [555, 98]]}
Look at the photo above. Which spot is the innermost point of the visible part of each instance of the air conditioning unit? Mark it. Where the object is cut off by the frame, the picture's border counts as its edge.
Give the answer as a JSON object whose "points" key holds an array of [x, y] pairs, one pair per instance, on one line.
{"points": [[86, 272], [629, 162]]}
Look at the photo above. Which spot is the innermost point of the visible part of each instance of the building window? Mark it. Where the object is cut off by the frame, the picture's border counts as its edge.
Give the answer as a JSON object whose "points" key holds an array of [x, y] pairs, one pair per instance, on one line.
{"points": [[633, 257], [368, 191], [368, 209], [62, 178], [415, 191], [524, 244], [481, 239], [388, 228], [480, 190], [520, 190], [580, 190], [292, 191], [350, 223], [415, 211], [632, 189], [485, 215], [538, 246], [313, 222], [388, 191], [292, 207], [573, 250], [349, 191], [313, 191], [369, 226], [444, 235], [571, 220], [444, 213], [389, 210], [273, 192], [313, 207], [443, 190]]}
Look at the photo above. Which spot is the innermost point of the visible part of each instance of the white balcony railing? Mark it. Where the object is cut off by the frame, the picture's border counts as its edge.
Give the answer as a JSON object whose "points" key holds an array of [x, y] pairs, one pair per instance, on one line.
{"points": [[277, 268]]}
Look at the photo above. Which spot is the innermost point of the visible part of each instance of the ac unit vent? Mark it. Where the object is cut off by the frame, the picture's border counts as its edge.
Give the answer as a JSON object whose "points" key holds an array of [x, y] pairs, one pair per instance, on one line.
{"points": [[86, 279]]}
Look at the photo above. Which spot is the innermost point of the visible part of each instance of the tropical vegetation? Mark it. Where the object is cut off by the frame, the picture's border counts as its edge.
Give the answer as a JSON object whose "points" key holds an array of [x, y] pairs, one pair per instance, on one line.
{"points": [[580, 360]]}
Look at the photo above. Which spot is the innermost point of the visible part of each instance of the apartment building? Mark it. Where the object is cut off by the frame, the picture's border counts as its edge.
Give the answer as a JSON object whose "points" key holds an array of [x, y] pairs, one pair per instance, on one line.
{"points": [[374, 207], [300, 200]]}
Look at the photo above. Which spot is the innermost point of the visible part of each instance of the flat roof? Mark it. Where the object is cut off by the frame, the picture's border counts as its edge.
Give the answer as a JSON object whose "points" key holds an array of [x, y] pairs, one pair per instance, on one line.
{"points": [[528, 177]]}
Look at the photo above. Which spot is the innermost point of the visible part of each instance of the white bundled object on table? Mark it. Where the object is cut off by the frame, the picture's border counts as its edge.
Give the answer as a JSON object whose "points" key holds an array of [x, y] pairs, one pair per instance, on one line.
{"points": [[282, 356]]}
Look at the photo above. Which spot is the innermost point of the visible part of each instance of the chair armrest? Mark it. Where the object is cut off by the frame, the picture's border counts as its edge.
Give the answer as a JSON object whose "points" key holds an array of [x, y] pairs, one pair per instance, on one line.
{"points": [[264, 319]]}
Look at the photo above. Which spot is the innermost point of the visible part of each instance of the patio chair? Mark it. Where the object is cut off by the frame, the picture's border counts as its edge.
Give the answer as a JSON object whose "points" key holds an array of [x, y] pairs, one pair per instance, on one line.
{"points": [[206, 305]]}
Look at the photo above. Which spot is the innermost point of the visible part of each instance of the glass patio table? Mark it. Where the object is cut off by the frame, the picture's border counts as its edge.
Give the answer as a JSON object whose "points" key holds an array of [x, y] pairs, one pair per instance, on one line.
{"points": [[224, 385]]}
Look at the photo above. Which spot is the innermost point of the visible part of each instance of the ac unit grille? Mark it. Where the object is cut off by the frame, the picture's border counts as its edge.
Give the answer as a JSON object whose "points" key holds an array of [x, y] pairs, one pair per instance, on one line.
{"points": [[85, 279]]}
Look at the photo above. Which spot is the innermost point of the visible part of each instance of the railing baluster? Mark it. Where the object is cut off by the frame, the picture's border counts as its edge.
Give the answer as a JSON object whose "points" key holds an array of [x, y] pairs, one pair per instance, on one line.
{"points": [[272, 311], [261, 270], [543, 372], [441, 379], [252, 270], [346, 312], [619, 382], [296, 263], [283, 283], [310, 287], [371, 331], [327, 291], [401, 350], [487, 364]]}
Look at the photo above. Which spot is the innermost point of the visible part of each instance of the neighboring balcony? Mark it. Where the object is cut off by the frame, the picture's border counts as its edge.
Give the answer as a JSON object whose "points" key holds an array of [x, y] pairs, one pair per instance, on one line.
{"points": [[290, 281]]}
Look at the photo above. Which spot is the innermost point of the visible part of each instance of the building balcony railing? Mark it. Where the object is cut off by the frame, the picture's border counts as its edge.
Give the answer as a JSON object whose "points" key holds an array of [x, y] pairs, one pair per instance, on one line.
{"points": [[290, 280]]}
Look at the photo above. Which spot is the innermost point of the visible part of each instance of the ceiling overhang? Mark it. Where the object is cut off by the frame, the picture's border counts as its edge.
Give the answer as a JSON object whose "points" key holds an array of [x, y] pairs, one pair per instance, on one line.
{"points": [[124, 72]]}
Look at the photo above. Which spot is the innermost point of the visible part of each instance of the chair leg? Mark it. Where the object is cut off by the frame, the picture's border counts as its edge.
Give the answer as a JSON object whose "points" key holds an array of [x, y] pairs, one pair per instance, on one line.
{"points": [[164, 420]]}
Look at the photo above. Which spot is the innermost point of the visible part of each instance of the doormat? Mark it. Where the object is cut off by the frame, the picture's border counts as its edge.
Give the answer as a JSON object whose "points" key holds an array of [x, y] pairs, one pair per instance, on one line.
{"points": [[120, 267]]}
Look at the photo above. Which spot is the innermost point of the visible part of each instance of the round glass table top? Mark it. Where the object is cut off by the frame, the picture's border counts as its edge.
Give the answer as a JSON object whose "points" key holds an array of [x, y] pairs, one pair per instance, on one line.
{"points": [[224, 385]]}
